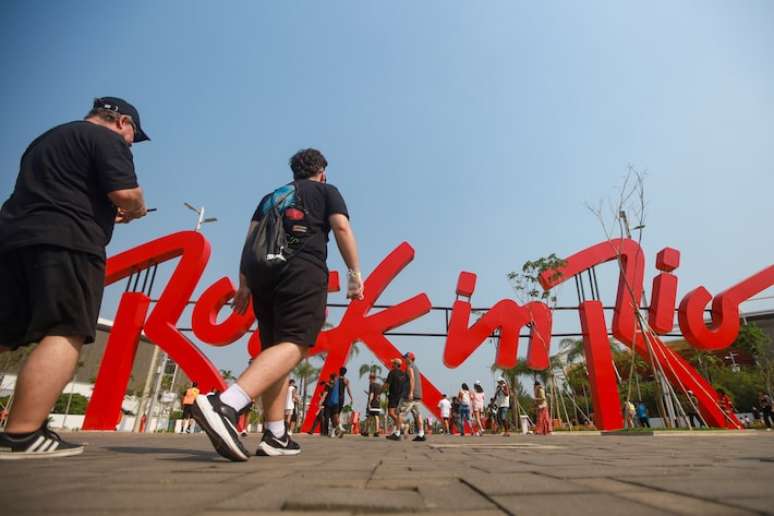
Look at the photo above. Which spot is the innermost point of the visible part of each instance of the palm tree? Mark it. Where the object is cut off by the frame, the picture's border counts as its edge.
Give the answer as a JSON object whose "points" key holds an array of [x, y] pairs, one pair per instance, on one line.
{"points": [[227, 375], [369, 368], [305, 372]]}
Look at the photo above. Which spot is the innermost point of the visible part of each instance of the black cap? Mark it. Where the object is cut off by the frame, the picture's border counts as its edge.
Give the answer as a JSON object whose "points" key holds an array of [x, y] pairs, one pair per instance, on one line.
{"points": [[123, 107]]}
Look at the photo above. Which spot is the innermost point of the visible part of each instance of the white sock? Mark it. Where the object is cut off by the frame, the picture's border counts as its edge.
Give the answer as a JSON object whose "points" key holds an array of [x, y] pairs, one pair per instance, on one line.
{"points": [[277, 428], [397, 432], [421, 433], [235, 397]]}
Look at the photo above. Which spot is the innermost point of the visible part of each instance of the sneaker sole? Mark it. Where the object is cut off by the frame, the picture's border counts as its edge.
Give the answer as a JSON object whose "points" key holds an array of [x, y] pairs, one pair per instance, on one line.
{"points": [[264, 450], [68, 452], [213, 426]]}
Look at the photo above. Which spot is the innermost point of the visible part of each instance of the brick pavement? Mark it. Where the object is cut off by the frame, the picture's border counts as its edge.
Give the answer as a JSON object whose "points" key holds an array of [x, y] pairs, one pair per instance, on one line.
{"points": [[725, 473]]}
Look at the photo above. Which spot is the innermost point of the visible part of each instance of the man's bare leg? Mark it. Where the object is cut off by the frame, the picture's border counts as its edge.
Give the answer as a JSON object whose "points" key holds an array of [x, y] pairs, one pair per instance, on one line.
{"points": [[48, 369], [269, 367], [274, 400]]}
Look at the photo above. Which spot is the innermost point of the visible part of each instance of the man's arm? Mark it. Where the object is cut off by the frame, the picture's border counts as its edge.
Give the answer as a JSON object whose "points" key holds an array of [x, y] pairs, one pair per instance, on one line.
{"points": [[345, 240], [130, 203], [346, 384], [242, 295], [411, 383]]}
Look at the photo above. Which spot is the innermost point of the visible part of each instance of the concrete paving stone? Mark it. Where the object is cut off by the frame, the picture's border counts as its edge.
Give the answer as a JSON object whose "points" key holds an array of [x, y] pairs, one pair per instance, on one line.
{"points": [[682, 504], [607, 485], [763, 505], [89, 498], [519, 483], [712, 488], [274, 513], [359, 500], [576, 503], [454, 497], [399, 484]]}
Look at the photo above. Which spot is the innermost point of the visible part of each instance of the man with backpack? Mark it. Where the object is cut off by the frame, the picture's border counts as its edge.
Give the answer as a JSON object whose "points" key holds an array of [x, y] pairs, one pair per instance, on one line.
{"points": [[283, 270]]}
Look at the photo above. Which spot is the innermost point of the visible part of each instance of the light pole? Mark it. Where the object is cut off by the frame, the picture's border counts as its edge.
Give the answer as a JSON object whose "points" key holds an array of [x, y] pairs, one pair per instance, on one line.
{"points": [[200, 219]]}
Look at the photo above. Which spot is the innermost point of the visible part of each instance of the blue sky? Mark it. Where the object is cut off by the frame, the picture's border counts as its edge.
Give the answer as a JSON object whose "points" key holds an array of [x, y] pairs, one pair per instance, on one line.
{"points": [[477, 132]]}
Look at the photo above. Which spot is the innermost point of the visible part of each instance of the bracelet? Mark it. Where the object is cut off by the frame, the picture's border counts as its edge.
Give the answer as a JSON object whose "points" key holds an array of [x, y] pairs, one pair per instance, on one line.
{"points": [[353, 274]]}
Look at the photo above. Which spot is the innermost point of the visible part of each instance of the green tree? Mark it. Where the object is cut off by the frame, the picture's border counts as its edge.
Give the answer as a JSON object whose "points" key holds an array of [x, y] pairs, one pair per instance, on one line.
{"points": [[306, 373]]}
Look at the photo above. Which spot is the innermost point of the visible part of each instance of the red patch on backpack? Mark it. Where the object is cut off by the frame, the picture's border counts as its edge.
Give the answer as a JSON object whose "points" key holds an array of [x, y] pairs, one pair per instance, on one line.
{"points": [[294, 214]]}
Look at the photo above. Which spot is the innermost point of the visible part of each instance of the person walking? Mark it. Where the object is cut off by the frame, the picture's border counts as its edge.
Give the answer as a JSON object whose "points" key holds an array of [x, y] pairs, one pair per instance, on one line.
{"points": [[397, 388], [478, 406], [342, 384], [642, 414], [503, 402], [692, 410], [414, 399], [289, 303], [290, 405], [764, 403], [188, 400], [629, 411], [464, 397], [543, 419], [75, 182], [374, 406], [319, 416], [445, 408]]}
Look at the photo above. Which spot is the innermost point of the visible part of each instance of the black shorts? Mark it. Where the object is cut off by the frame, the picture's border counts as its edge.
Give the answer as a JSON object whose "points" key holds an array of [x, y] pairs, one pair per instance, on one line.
{"points": [[187, 411], [393, 402], [49, 290], [291, 307]]}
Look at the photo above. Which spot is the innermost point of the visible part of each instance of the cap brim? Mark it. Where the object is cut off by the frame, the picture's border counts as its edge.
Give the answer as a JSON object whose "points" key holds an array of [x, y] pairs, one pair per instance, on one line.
{"points": [[140, 136]]}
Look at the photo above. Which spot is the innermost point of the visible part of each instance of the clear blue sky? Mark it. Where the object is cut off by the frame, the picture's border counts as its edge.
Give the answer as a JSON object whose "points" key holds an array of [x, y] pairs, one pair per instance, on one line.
{"points": [[475, 131]]}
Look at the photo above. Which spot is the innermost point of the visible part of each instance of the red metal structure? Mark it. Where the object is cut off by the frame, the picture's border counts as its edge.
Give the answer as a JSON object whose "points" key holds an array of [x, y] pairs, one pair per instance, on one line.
{"points": [[358, 324]]}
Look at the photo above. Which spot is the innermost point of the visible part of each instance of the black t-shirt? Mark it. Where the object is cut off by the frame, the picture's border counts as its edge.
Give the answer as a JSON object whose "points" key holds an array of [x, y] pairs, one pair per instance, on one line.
{"points": [[60, 197], [398, 384], [320, 200]]}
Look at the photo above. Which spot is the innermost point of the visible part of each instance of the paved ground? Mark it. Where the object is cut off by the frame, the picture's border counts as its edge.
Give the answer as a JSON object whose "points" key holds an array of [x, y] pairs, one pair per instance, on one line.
{"points": [[565, 474]]}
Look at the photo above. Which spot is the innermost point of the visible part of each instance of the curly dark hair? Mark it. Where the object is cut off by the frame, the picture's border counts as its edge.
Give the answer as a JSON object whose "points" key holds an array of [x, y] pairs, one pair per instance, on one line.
{"points": [[307, 163]]}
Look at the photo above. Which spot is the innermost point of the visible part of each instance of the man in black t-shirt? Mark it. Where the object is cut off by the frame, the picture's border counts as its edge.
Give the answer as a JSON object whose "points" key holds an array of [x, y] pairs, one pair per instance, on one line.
{"points": [[397, 389], [289, 305], [75, 181]]}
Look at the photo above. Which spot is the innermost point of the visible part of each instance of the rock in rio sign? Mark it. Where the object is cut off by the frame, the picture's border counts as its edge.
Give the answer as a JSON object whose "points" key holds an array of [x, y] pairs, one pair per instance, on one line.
{"points": [[359, 324]]}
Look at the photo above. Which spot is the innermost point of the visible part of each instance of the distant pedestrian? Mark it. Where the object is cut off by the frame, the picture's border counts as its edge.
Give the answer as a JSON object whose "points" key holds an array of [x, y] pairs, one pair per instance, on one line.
{"points": [[374, 405], [642, 414], [491, 415], [764, 402], [543, 419], [331, 411], [465, 402], [445, 408], [320, 415], [503, 402], [342, 384], [188, 400], [414, 399], [397, 387], [629, 412], [455, 414], [478, 406], [692, 410], [290, 405]]}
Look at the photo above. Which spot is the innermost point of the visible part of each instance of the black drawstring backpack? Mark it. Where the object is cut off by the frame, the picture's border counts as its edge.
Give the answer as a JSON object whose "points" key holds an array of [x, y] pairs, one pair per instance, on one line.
{"points": [[274, 241]]}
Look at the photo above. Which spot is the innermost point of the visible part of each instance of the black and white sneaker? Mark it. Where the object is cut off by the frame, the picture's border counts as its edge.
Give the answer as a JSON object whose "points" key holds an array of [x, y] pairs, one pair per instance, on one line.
{"points": [[219, 421], [41, 444], [393, 437], [419, 438], [270, 446]]}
